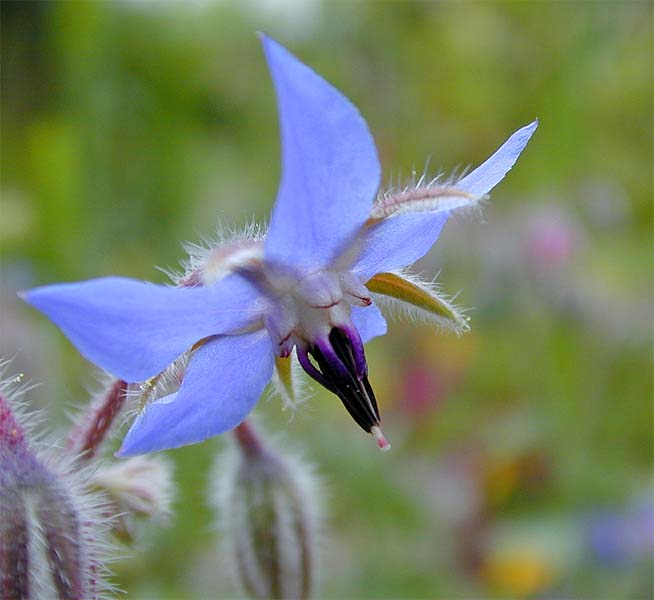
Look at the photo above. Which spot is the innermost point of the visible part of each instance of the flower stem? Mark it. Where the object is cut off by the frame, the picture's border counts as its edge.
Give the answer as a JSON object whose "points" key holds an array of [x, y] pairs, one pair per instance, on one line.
{"points": [[247, 439], [87, 436]]}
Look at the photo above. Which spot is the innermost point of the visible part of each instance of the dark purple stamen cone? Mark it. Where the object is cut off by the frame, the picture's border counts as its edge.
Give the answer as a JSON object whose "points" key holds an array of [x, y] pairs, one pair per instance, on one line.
{"points": [[341, 368]]}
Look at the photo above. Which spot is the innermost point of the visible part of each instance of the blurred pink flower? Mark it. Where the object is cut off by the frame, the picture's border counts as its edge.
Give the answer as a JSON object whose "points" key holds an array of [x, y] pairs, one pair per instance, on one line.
{"points": [[552, 240]]}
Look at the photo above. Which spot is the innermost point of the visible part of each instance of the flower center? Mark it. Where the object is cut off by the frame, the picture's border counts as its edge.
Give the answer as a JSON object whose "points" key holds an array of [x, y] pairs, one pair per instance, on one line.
{"points": [[313, 315], [304, 311]]}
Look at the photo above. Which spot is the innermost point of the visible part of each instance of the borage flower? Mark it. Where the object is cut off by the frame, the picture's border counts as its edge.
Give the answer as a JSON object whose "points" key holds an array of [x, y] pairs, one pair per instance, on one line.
{"points": [[306, 284]]}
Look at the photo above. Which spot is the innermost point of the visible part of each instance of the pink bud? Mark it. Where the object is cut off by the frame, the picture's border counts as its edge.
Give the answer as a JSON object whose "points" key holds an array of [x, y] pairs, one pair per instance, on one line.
{"points": [[51, 531]]}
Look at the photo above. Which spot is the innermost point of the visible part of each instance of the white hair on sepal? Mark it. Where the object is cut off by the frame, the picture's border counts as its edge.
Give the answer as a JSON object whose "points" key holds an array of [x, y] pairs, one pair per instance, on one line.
{"points": [[226, 241], [403, 184], [225, 234], [457, 321], [139, 395], [13, 389], [300, 392], [426, 194]]}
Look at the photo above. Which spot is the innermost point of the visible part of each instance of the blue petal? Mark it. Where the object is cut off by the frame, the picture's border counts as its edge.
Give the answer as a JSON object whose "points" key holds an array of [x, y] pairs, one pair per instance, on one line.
{"points": [[133, 329], [486, 176], [330, 170], [223, 382], [397, 241], [369, 322], [402, 239]]}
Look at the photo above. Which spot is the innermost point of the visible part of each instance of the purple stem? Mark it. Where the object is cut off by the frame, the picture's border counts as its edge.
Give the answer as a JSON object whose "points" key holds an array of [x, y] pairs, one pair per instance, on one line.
{"points": [[87, 436], [247, 439]]}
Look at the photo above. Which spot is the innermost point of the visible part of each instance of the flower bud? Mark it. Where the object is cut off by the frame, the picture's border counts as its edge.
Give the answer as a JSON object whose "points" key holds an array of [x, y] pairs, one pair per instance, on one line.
{"points": [[51, 527], [267, 504], [139, 487]]}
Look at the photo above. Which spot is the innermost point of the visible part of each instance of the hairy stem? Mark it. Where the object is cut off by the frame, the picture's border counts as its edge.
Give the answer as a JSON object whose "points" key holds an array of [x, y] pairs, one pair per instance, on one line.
{"points": [[87, 436]]}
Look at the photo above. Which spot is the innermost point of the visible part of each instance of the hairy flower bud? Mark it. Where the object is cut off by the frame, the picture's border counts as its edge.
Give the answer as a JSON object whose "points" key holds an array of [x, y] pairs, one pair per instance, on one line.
{"points": [[267, 504], [138, 488], [51, 530]]}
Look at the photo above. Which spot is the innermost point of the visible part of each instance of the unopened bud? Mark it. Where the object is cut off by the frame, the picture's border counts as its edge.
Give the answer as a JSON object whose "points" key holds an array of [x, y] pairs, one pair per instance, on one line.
{"points": [[51, 529], [139, 487], [269, 513]]}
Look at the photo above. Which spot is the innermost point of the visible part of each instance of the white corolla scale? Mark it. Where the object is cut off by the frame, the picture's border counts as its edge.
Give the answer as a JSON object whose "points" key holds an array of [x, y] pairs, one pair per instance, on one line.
{"points": [[307, 284]]}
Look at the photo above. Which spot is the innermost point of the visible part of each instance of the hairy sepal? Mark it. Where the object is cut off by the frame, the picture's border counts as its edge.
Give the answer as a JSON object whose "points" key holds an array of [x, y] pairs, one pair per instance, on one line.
{"points": [[212, 260], [434, 195], [139, 395], [288, 382], [269, 502], [417, 300]]}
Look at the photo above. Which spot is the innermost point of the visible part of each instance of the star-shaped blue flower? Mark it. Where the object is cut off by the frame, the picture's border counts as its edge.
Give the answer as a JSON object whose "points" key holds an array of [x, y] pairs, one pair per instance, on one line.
{"points": [[306, 285]]}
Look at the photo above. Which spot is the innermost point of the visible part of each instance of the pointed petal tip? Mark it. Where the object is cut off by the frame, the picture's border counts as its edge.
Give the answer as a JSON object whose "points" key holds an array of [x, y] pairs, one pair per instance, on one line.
{"points": [[525, 132], [381, 440], [127, 449], [34, 295], [486, 176], [136, 444], [270, 45], [531, 127], [263, 37]]}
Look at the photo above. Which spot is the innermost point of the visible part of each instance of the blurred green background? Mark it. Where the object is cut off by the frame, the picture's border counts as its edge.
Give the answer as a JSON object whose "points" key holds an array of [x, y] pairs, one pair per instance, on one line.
{"points": [[522, 451]]}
